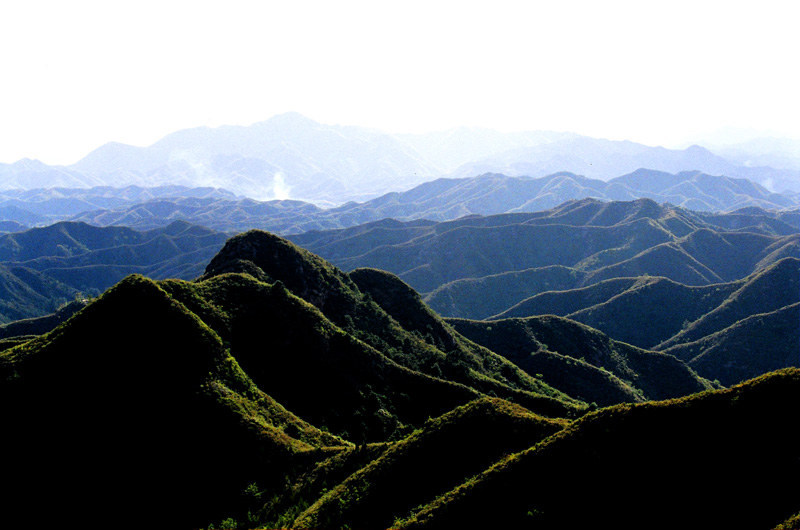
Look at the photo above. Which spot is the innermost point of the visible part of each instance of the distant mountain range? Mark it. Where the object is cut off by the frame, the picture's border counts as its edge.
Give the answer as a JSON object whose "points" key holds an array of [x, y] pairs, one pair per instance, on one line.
{"points": [[290, 156], [43, 268], [726, 331], [43, 206], [656, 277], [438, 200], [594, 240]]}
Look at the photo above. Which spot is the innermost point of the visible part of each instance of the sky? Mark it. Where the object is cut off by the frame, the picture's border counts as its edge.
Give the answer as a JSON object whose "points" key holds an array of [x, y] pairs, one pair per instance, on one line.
{"points": [[78, 74]]}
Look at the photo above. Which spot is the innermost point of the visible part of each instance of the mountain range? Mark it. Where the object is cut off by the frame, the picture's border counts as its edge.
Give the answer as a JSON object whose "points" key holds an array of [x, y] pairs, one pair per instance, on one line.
{"points": [[439, 200], [458, 329], [43, 268], [592, 240], [291, 156], [726, 278], [179, 403], [43, 206], [723, 275]]}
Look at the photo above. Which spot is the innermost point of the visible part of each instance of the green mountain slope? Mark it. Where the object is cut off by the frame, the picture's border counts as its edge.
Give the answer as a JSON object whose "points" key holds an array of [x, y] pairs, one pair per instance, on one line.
{"points": [[474, 252], [752, 346], [771, 289], [719, 459], [313, 367], [479, 298], [439, 353], [142, 401], [694, 313], [42, 268], [43, 324], [179, 404], [93, 258], [489, 428], [27, 293], [583, 362], [642, 300], [480, 266]]}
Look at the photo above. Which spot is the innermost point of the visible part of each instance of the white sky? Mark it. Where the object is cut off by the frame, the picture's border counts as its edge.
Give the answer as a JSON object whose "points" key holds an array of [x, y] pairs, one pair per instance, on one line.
{"points": [[77, 74]]}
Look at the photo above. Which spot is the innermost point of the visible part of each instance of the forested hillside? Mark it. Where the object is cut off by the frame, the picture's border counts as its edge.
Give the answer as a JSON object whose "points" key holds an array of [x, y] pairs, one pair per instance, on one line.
{"points": [[279, 390], [43, 268]]}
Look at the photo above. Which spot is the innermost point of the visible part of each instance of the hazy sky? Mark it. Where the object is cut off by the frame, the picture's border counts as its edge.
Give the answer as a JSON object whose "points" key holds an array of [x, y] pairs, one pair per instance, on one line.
{"points": [[77, 74]]}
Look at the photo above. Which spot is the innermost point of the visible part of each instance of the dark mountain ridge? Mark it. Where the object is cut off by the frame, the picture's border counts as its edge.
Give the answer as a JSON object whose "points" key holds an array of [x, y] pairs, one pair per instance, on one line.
{"points": [[196, 390], [439, 352], [604, 452], [129, 387]]}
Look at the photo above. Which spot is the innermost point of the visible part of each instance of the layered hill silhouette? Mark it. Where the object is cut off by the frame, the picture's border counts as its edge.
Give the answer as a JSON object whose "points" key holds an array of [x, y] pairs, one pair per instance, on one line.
{"points": [[614, 266], [596, 240], [582, 361], [43, 268], [606, 159], [22, 329], [588, 260], [196, 389], [291, 156], [41, 206], [644, 299], [496, 193], [439, 200], [755, 344]]}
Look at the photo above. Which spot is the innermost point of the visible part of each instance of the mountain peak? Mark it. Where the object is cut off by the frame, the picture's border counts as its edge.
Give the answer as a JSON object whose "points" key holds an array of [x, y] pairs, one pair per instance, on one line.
{"points": [[292, 120], [698, 150], [27, 164], [303, 273]]}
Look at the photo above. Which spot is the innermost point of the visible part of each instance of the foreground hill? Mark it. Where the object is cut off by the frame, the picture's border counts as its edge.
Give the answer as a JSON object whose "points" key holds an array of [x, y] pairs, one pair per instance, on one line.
{"points": [[128, 395], [379, 310], [490, 427], [637, 461]]}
